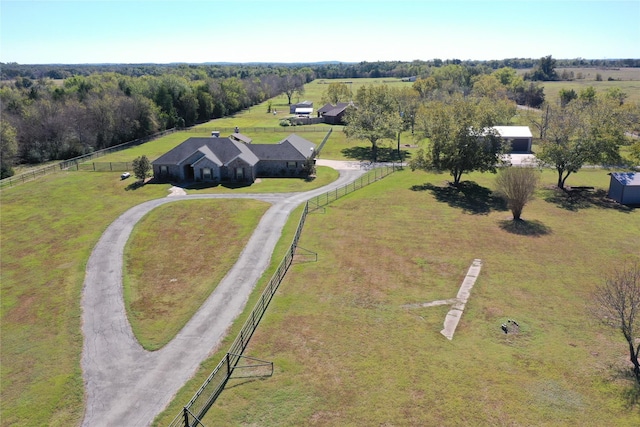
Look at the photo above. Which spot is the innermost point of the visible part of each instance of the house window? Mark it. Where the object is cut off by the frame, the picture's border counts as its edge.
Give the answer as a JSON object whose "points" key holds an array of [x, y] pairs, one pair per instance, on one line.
{"points": [[291, 165], [206, 174], [239, 174], [164, 170]]}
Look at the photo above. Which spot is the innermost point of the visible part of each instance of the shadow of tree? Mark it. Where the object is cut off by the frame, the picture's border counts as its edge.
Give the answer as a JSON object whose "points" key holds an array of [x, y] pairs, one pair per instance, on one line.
{"points": [[632, 395], [576, 199], [134, 186], [468, 196], [385, 154], [525, 228], [631, 392]]}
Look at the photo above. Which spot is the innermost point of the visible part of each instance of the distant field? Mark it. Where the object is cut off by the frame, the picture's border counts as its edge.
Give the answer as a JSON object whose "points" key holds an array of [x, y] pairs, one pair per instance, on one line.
{"points": [[631, 88], [627, 79]]}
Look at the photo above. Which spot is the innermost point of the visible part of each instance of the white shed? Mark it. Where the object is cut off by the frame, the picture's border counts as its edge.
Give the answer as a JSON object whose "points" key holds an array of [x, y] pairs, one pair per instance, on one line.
{"points": [[624, 188], [520, 137]]}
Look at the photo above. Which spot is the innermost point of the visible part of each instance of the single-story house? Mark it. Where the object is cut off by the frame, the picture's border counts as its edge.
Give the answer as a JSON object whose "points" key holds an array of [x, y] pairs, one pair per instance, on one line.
{"points": [[624, 187], [230, 159], [520, 137], [303, 104], [332, 114]]}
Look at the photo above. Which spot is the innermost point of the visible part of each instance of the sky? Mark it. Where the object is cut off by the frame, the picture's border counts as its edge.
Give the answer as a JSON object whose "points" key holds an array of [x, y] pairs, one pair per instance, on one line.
{"points": [[287, 31]]}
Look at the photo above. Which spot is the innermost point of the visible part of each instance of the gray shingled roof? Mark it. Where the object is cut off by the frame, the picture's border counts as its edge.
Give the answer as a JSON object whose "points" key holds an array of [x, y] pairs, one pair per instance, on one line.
{"points": [[291, 148], [224, 150], [276, 152], [302, 145]]}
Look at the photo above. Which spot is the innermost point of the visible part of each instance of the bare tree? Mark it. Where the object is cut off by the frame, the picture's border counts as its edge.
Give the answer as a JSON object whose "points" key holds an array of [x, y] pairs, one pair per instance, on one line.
{"points": [[618, 305], [517, 185]]}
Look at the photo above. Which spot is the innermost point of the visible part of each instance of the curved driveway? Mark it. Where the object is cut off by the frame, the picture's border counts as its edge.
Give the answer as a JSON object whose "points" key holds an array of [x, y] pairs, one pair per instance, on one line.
{"points": [[126, 385]]}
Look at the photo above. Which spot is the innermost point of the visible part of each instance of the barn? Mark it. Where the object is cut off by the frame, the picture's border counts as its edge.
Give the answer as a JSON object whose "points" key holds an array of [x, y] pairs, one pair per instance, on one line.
{"points": [[624, 188]]}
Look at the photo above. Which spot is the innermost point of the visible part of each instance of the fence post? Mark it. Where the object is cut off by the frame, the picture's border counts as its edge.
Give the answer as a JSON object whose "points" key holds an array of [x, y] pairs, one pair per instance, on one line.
{"points": [[186, 416]]}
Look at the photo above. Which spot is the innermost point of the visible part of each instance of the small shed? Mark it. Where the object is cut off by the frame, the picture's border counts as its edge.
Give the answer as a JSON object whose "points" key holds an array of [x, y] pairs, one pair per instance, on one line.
{"points": [[303, 104], [624, 188], [520, 137], [301, 111]]}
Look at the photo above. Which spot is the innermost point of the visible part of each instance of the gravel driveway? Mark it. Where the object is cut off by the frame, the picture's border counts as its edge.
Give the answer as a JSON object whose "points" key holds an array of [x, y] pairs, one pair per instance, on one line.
{"points": [[126, 385]]}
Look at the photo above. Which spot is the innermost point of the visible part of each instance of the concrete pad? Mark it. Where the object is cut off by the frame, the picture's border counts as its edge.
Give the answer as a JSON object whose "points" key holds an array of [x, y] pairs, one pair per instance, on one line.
{"points": [[453, 316]]}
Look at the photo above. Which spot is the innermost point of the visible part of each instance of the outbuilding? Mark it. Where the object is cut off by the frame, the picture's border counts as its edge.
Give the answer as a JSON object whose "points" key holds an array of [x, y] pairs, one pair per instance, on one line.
{"points": [[519, 137], [303, 104], [624, 188]]}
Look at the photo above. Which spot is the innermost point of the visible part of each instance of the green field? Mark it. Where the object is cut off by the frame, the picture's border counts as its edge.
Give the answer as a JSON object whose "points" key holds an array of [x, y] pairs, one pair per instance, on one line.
{"points": [[627, 79], [346, 350]]}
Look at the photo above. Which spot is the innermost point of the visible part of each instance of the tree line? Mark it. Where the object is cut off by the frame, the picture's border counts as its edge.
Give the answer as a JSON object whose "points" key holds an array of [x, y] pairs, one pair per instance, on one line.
{"points": [[329, 70], [47, 119], [52, 112]]}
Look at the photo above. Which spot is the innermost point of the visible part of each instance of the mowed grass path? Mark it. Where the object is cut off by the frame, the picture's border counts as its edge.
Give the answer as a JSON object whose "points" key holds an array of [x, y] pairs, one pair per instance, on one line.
{"points": [[348, 352]]}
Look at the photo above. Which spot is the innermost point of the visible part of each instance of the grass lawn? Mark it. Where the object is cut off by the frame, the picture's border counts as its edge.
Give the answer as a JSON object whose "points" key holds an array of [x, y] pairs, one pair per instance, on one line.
{"points": [[163, 290], [347, 350], [49, 228]]}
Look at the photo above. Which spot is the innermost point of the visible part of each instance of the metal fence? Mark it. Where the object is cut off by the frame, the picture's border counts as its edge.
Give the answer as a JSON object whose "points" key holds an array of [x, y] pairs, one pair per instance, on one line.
{"points": [[76, 161], [209, 391], [246, 130], [324, 141], [103, 166]]}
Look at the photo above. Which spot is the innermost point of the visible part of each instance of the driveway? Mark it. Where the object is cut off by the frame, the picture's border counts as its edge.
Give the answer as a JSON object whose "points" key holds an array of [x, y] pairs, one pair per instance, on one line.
{"points": [[126, 385]]}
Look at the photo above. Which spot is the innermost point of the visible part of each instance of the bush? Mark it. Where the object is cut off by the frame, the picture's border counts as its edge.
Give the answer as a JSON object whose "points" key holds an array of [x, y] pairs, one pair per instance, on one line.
{"points": [[517, 185]]}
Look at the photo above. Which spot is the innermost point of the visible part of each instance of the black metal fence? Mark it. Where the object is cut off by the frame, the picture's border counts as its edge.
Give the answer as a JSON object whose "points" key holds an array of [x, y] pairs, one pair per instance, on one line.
{"points": [[77, 162], [324, 141], [103, 166], [209, 391], [225, 131]]}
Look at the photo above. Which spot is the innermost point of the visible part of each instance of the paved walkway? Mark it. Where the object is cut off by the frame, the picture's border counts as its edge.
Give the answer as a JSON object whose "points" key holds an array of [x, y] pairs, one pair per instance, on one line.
{"points": [[453, 316], [126, 385], [458, 303]]}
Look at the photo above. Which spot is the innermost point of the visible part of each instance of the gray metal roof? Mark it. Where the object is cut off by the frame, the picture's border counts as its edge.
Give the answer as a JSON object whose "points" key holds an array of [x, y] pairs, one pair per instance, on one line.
{"points": [[334, 110], [627, 178]]}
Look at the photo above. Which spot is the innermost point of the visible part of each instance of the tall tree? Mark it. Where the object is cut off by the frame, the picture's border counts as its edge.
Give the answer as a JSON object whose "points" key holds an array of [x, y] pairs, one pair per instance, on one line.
{"points": [[582, 132], [8, 149], [141, 167], [292, 84], [618, 305], [461, 137], [337, 92], [546, 69], [375, 117]]}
